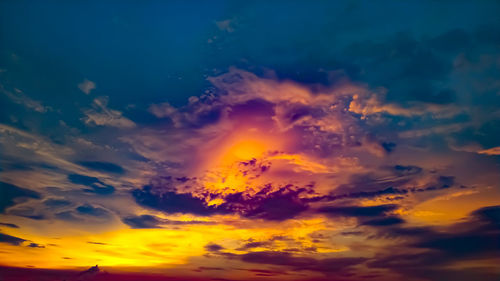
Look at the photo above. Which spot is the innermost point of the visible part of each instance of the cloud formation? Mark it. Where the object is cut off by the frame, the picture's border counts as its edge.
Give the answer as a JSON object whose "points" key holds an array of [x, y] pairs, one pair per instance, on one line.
{"points": [[320, 142]]}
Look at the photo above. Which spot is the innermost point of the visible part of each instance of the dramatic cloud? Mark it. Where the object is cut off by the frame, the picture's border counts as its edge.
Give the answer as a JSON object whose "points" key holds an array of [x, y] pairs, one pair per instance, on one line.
{"points": [[325, 141], [268, 204], [172, 202], [278, 205]]}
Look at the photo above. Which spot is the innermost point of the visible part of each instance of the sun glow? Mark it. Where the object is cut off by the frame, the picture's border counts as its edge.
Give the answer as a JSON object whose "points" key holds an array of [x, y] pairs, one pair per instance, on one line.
{"points": [[244, 145], [222, 162], [246, 149]]}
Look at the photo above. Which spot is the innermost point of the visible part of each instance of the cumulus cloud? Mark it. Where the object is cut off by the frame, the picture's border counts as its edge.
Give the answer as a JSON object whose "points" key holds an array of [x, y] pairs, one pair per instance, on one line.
{"points": [[325, 123], [319, 119]]}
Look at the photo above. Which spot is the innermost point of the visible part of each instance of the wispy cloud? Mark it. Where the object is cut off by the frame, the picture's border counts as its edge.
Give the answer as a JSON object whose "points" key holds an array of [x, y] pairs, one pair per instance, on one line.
{"points": [[490, 151], [19, 97], [101, 115]]}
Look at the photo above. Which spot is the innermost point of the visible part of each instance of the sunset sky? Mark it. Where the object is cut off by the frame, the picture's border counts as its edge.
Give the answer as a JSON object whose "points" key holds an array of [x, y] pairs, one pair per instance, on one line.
{"points": [[258, 140]]}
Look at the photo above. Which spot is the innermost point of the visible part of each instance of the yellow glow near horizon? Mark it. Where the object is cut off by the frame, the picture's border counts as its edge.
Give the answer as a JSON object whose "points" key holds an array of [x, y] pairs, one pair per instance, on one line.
{"points": [[156, 249]]}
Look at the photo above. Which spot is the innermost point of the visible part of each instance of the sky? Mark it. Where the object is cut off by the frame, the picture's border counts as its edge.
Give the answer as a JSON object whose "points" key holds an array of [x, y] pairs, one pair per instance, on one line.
{"points": [[259, 140]]}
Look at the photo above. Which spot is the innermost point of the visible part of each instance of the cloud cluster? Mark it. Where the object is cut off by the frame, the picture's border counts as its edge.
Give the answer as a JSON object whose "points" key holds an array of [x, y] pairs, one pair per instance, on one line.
{"points": [[371, 154]]}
